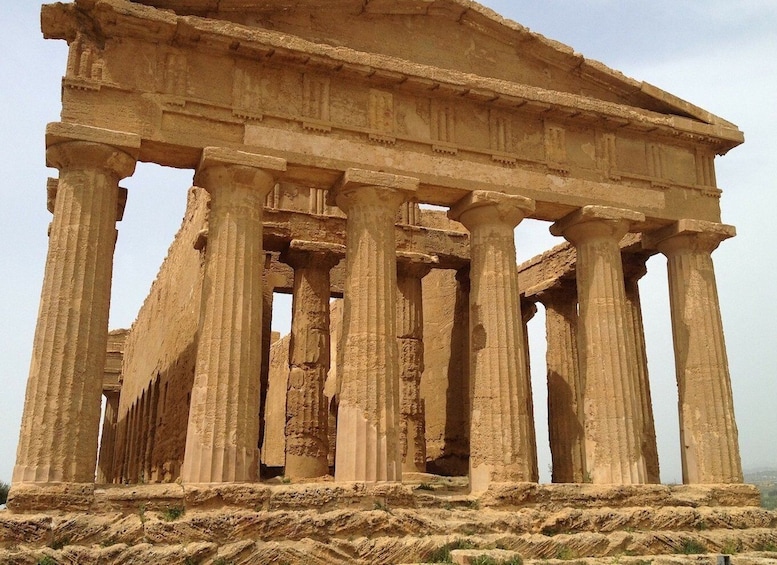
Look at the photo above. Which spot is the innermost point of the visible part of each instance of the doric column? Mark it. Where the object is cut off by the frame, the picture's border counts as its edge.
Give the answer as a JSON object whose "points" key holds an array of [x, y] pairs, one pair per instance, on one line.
{"points": [[613, 426], [268, 293], [634, 268], [565, 390], [223, 431], [61, 420], [368, 414], [528, 311], [108, 438], [708, 432], [411, 269], [307, 442], [501, 425]]}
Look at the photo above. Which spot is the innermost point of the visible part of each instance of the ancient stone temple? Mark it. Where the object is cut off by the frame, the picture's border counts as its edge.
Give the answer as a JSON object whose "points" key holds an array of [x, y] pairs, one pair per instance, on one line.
{"points": [[356, 149]]}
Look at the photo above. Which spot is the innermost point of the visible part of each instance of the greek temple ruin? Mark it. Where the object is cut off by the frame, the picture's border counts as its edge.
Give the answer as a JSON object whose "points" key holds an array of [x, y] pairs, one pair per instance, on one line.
{"points": [[383, 153]]}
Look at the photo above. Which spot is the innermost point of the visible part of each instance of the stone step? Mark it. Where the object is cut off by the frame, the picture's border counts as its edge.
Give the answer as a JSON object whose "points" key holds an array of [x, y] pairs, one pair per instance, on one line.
{"points": [[362, 550], [171, 524]]}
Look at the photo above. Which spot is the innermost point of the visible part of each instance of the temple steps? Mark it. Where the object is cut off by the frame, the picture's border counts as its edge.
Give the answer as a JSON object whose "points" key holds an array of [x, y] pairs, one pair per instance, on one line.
{"points": [[330, 523]]}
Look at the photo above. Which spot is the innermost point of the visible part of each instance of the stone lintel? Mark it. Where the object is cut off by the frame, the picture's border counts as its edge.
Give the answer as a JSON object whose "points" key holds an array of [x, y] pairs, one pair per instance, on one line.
{"points": [[281, 226], [713, 230], [480, 198], [221, 156], [61, 132], [413, 258], [595, 213], [317, 247]]}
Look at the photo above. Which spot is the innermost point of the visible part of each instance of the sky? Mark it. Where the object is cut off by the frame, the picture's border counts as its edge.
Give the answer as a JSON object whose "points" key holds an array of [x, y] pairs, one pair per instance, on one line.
{"points": [[717, 54]]}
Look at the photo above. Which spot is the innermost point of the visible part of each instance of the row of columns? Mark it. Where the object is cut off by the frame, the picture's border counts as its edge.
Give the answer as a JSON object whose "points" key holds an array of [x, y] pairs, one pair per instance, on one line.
{"points": [[61, 416]]}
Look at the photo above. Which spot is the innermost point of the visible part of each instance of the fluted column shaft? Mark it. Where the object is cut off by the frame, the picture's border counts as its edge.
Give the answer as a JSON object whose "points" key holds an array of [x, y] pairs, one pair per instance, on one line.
{"points": [[613, 426], [708, 431], [501, 425], [411, 269], [565, 389], [223, 431], [108, 438], [307, 442], [368, 415], [61, 419], [634, 269]]}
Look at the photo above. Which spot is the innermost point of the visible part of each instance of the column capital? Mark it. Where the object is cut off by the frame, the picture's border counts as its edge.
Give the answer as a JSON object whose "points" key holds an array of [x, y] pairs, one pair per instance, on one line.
{"points": [[528, 310], [485, 206], [592, 221], [415, 265], [561, 290], [62, 132], [303, 253], [388, 188], [634, 265], [220, 165], [697, 235]]}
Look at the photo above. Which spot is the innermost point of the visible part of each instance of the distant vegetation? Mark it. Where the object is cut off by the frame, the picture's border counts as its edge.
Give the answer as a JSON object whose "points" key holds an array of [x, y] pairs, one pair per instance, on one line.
{"points": [[4, 487], [766, 481]]}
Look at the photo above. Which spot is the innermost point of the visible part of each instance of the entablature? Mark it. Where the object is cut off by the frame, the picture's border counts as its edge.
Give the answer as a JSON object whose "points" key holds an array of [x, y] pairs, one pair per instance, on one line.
{"points": [[326, 109]]}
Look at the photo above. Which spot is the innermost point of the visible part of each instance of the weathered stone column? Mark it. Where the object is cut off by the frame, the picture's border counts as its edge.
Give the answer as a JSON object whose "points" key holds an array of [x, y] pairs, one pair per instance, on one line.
{"points": [[61, 419], [708, 431], [411, 269], [368, 414], [223, 432], [528, 311], [108, 438], [307, 442], [501, 425], [565, 390], [634, 268], [613, 426]]}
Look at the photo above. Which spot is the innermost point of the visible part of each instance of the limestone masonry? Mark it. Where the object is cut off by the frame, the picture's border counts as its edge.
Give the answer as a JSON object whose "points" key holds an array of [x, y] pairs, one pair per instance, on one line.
{"points": [[319, 132]]}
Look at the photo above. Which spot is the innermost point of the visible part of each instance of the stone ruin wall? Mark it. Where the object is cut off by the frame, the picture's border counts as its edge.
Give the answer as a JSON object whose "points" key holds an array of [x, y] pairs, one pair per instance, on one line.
{"points": [[159, 358]]}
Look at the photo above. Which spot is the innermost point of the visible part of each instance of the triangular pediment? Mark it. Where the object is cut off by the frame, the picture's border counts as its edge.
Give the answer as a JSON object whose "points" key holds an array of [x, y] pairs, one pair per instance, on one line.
{"points": [[459, 35]]}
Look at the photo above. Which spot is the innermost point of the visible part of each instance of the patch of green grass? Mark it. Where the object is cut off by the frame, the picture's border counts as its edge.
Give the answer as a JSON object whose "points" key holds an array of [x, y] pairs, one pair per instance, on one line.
{"points": [[47, 560], [142, 513], [473, 504], [643, 562], [60, 543], [443, 554], [691, 547], [424, 486], [550, 531], [731, 546], [565, 553], [766, 546], [172, 513], [701, 525], [488, 560], [380, 505], [4, 488], [222, 561]]}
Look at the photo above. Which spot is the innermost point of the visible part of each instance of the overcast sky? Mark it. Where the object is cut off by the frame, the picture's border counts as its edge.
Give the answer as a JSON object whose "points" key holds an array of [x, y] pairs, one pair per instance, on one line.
{"points": [[718, 54]]}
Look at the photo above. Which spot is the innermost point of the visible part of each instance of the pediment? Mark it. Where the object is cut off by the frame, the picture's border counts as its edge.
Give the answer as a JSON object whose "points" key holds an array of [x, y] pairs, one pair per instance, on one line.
{"points": [[459, 35]]}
